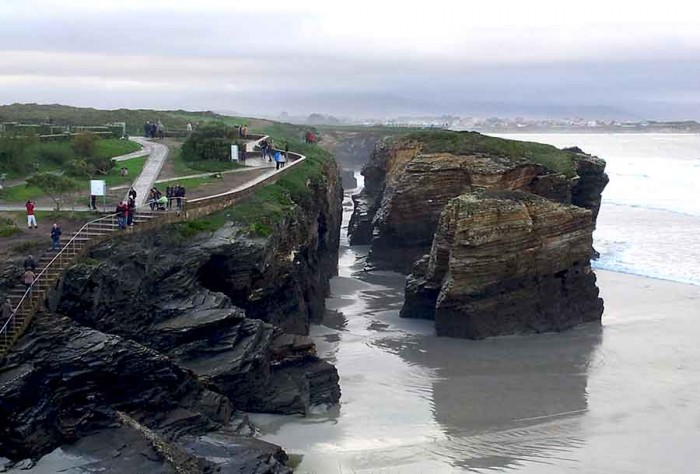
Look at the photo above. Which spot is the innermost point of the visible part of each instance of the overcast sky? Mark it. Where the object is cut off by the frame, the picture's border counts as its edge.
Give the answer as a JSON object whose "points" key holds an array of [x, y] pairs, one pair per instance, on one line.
{"points": [[377, 58]]}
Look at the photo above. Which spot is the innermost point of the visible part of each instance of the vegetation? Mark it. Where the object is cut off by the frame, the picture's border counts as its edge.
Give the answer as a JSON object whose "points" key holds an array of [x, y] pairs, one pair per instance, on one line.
{"points": [[260, 214], [184, 168], [20, 156], [54, 186], [210, 142], [463, 143], [8, 227]]}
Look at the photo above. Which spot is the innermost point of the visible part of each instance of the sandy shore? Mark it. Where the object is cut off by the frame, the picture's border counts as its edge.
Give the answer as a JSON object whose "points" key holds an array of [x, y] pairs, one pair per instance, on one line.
{"points": [[636, 298]]}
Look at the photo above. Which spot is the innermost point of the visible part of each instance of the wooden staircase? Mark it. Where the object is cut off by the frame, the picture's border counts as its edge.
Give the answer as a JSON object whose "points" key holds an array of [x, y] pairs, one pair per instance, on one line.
{"points": [[27, 301]]}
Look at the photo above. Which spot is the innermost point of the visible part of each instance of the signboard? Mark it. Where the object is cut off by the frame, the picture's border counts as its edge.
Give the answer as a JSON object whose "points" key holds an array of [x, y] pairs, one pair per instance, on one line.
{"points": [[234, 152], [98, 187]]}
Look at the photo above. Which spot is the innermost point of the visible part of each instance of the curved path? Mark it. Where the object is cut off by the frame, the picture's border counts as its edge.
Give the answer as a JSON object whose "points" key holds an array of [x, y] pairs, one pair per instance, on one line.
{"points": [[157, 156]]}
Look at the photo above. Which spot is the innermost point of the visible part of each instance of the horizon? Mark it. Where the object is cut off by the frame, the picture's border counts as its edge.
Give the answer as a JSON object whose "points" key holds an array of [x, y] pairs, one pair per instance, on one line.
{"points": [[362, 60]]}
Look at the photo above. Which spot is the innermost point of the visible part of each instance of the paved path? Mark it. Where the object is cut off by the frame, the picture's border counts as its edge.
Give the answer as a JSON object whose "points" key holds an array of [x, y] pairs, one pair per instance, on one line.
{"points": [[158, 153], [136, 154], [20, 207]]}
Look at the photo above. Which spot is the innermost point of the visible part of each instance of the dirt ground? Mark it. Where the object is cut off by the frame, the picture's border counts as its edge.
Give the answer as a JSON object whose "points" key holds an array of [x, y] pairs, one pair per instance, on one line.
{"points": [[37, 241]]}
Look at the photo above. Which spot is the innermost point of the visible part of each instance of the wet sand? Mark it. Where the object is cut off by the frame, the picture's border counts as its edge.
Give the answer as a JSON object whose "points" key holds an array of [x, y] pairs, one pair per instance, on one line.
{"points": [[617, 398]]}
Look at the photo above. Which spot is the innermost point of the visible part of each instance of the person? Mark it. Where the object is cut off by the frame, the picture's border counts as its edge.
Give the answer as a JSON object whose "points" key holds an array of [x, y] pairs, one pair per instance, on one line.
{"points": [[169, 195], [6, 310], [263, 149], [152, 198], [28, 278], [130, 211], [93, 202], [55, 237], [179, 194], [286, 149], [245, 131], [270, 150], [283, 160], [162, 202], [121, 211], [189, 128], [31, 218], [132, 193], [29, 263], [277, 160], [159, 129], [244, 154], [147, 129]]}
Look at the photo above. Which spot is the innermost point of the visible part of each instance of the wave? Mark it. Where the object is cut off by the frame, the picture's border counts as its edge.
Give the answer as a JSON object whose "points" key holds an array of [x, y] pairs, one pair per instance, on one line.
{"points": [[621, 268], [653, 207]]}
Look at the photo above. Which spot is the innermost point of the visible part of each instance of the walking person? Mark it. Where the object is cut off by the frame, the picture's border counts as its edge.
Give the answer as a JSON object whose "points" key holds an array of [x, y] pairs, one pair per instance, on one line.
{"points": [[31, 218], [283, 160], [28, 278], [6, 310], [130, 211], [121, 211], [93, 202], [55, 237], [29, 263], [277, 160], [132, 193]]}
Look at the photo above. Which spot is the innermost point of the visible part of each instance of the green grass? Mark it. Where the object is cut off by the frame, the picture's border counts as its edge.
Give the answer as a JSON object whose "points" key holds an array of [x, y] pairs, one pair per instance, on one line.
{"points": [[112, 147], [135, 165], [464, 143], [23, 192], [185, 168]]}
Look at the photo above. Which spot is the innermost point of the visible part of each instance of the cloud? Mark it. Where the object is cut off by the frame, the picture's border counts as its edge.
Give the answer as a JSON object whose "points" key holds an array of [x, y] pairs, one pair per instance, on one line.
{"points": [[357, 57]]}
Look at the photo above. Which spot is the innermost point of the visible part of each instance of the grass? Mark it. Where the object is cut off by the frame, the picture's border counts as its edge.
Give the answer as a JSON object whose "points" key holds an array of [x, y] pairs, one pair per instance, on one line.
{"points": [[113, 178], [463, 143], [24, 192], [112, 147], [184, 168], [8, 227]]}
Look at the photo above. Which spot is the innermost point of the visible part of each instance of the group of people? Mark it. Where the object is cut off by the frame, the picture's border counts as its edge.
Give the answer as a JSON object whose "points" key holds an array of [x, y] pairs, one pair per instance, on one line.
{"points": [[157, 200], [243, 131], [153, 129]]}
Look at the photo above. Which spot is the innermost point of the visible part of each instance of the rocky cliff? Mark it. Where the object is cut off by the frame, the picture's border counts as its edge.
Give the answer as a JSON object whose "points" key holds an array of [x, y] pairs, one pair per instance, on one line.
{"points": [[506, 262], [409, 182], [512, 204], [176, 329]]}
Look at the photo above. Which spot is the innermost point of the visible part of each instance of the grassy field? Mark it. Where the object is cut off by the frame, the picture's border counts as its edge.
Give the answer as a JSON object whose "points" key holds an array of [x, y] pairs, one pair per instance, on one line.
{"points": [[185, 168], [22, 193]]}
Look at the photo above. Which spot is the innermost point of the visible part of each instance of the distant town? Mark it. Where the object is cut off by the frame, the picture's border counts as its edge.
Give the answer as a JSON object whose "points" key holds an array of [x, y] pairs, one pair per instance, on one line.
{"points": [[507, 125]]}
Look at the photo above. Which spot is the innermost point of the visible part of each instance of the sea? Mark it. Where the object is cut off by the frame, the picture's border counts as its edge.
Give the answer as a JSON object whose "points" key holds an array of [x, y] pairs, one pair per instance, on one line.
{"points": [[649, 223], [621, 397]]}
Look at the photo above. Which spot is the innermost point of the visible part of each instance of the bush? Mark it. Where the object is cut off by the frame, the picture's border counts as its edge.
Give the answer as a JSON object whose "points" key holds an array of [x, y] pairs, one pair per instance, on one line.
{"points": [[211, 141], [84, 144]]}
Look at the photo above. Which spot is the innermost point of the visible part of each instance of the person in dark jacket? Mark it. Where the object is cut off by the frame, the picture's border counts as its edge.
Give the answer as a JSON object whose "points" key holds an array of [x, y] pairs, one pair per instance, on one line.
{"points": [[131, 210], [55, 237], [132, 193], [6, 310], [29, 263]]}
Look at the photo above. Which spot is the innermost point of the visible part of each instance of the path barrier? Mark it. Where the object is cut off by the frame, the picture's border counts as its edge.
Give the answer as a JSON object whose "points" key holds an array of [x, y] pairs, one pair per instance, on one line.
{"points": [[31, 299]]}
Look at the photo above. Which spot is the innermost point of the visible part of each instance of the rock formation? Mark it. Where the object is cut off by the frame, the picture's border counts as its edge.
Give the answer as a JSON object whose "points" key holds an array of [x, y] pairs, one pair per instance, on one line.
{"points": [[510, 253], [506, 262], [167, 333]]}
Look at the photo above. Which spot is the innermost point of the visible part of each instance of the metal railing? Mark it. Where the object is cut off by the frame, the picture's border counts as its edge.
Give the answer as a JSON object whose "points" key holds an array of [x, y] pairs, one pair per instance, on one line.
{"points": [[94, 231]]}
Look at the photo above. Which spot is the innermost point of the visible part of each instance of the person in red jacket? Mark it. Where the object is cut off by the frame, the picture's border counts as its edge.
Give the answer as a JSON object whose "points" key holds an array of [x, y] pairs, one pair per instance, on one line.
{"points": [[31, 218]]}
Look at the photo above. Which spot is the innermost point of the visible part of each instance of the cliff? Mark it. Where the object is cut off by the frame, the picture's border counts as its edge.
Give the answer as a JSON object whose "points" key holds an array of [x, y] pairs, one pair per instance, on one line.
{"points": [[223, 304], [506, 262], [409, 182], [401, 213]]}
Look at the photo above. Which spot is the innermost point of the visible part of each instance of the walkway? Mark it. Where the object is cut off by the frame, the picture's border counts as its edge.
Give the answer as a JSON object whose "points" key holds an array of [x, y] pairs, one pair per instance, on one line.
{"points": [[158, 153]]}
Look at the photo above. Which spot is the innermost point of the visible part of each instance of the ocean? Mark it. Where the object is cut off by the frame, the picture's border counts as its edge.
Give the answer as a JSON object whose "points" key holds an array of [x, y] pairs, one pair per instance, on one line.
{"points": [[649, 223]]}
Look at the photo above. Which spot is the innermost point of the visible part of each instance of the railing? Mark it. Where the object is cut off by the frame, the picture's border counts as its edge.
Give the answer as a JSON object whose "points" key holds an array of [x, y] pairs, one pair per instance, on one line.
{"points": [[94, 231]]}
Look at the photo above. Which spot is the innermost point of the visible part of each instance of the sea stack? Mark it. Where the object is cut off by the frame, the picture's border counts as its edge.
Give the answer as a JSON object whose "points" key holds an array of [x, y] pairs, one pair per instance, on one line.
{"points": [[496, 234], [506, 262]]}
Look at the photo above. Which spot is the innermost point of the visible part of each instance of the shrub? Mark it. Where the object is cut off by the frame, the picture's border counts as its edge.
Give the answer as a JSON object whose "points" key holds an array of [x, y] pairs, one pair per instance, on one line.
{"points": [[211, 141], [84, 144]]}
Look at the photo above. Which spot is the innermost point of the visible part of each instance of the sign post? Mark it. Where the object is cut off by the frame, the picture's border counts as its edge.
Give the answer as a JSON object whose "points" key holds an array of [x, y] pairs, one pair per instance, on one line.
{"points": [[234, 152], [98, 187]]}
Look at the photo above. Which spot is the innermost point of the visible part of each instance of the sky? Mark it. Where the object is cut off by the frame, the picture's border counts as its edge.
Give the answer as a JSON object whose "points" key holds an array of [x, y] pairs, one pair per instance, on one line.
{"points": [[536, 58]]}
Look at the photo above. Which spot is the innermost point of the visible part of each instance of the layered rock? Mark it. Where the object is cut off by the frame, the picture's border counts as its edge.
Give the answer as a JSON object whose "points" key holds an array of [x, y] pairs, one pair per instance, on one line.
{"points": [[408, 183], [506, 262], [68, 385], [168, 334]]}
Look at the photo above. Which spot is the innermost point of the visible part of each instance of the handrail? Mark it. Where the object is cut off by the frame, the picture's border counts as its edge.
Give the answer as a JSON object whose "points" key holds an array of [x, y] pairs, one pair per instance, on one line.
{"points": [[226, 198]]}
